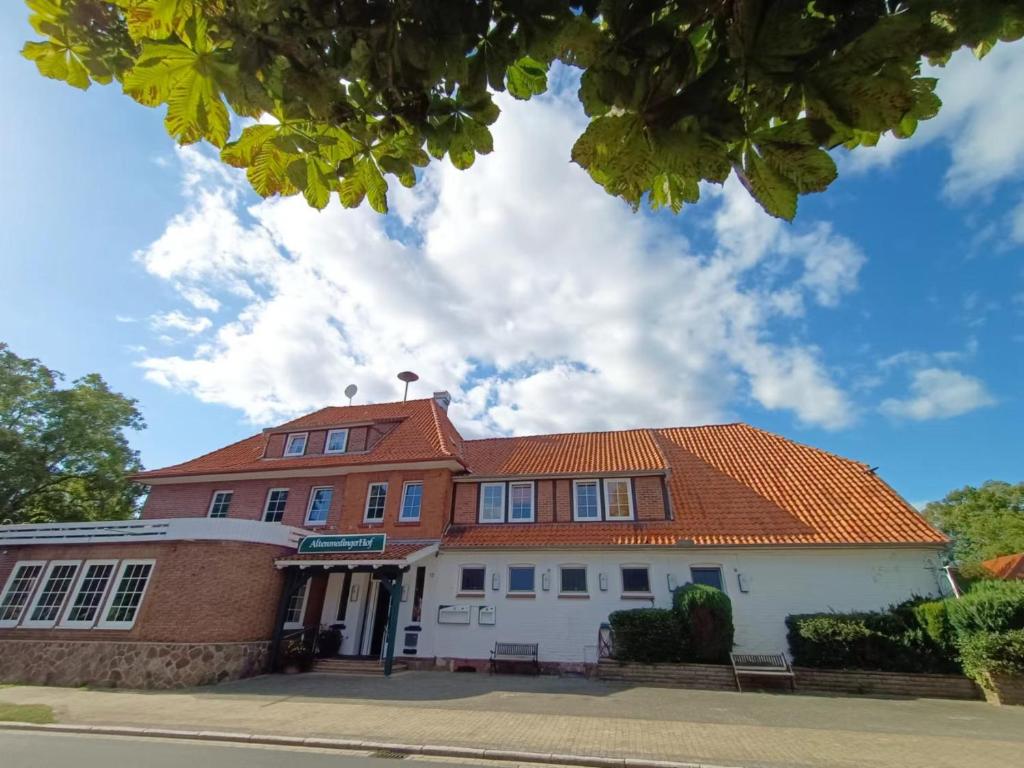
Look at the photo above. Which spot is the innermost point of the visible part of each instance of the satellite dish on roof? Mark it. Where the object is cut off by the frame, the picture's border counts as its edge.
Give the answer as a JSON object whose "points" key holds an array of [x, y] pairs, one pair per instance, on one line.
{"points": [[350, 392], [407, 377]]}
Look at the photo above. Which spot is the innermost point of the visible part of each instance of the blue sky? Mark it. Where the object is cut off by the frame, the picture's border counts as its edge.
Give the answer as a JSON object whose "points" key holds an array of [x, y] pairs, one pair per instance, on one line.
{"points": [[886, 324]]}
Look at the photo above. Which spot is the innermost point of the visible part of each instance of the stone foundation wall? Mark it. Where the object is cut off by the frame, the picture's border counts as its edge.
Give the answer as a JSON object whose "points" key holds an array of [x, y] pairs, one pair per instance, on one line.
{"points": [[129, 664], [710, 677], [1005, 689]]}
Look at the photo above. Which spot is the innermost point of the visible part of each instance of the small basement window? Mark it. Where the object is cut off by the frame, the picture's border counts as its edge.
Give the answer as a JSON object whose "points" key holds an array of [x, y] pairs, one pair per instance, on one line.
{"points": [[471, 579], [709, 575], [296, 445], [521, 579], [636, 580], [337, 441], [221, 503]]}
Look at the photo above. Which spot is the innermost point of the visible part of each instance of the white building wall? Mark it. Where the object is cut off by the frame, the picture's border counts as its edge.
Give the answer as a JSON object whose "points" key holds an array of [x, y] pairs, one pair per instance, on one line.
{"points": [[778, 582]]}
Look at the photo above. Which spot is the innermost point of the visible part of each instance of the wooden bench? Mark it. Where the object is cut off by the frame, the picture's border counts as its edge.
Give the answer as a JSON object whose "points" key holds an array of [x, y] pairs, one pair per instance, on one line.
{"points": [[515, 652], [761, 665]]}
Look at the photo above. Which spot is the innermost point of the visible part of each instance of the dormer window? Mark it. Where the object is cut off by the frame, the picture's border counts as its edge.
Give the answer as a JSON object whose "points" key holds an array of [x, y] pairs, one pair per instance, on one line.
{"points": [[337, 441], [296, 445]]}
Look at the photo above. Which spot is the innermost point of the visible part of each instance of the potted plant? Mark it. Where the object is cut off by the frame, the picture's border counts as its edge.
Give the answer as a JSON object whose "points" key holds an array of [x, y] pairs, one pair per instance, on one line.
{"points": [[329, 641], [296, 657]]}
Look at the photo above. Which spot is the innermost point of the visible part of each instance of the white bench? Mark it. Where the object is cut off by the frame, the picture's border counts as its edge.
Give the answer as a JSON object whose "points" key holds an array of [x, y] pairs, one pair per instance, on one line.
{"points": [[513, 652], [761, 665]]}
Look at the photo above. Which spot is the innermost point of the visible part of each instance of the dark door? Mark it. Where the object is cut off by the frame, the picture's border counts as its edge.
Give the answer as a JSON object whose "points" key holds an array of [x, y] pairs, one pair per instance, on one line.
{"points": [[380, 621]]}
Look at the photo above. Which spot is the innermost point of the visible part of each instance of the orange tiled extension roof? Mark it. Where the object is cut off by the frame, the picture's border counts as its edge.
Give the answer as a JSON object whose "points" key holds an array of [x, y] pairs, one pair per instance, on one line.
{"points": [[423, 433], [1006, 567], [729, 485]]}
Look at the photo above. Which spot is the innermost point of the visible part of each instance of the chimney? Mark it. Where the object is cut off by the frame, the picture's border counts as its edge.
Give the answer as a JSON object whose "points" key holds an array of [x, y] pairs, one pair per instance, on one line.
{"points": [[443, 400]]}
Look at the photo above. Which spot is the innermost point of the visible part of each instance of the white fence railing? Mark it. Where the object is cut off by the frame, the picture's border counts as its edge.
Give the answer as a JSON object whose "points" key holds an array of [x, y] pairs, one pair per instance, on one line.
{"points": [[172, 529]]}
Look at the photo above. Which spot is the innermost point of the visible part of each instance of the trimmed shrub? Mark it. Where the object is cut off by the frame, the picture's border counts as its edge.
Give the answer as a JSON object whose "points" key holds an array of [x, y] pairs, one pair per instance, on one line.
{"points": [[993, 652], [648, 635], [990, 606], [933, 618], [705, 619]]}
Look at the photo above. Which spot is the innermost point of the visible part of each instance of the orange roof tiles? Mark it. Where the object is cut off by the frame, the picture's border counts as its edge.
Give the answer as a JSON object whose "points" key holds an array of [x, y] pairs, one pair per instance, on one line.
{"points": [[1006, 567], [571, 453], [423, 433]]}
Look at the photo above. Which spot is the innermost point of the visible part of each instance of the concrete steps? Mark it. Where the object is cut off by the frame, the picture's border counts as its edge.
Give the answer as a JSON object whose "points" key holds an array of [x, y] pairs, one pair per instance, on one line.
{"points": [[369, 667]]}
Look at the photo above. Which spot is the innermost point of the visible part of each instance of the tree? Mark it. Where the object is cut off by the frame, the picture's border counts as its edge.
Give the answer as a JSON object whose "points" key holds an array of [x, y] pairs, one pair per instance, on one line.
{"points": [[983, 522], [677, 91], [63, 452]]}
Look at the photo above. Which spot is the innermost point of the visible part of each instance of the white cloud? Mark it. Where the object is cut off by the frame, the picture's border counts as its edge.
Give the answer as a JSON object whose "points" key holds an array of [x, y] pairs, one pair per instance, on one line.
{"points": [[980, 123], [937, 393], [542, 303], [178, 321]]}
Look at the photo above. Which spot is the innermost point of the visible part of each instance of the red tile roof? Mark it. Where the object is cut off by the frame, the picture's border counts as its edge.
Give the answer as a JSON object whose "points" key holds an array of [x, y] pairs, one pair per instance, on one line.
{"points": [[575, 452], [1006, 567], [423, 433]]}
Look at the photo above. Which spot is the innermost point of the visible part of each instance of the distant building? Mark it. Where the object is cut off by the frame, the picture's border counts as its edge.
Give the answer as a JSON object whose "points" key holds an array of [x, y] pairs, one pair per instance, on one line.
{"points": [[520, 539], [1006, 567]]}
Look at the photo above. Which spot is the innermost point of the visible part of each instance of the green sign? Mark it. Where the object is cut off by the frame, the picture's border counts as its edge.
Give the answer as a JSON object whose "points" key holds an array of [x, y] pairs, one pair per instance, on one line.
{"points": [[369, 542]]}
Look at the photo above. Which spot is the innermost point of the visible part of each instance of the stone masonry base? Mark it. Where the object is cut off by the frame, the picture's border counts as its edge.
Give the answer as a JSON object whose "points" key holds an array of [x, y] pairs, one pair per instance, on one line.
{"points": [[128, 664]]}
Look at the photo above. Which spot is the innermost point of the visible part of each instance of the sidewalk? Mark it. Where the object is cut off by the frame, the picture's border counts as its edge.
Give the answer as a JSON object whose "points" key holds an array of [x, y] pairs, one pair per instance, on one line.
{"points": [[555, 715]]}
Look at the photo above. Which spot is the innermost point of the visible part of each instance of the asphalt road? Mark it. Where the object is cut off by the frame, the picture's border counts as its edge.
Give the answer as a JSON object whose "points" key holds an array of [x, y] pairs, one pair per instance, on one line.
{"points": [[61, 750]]}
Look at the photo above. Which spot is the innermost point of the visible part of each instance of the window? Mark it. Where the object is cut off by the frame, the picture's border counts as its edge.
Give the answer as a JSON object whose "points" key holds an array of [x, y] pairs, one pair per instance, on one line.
{"points": [[710, 575], [573, 580], [376, 498], [18, 590], [337, 441], [618, 496], [417, 599], [123, 605], [296, 608], [49, 602], [520, 579], [587, 501], [296, 445], [84, 607], [636, 579], [492, 502], [277, 498], [520, 502], [319, 505], [220, 503], [471, 578], [412, 499]]}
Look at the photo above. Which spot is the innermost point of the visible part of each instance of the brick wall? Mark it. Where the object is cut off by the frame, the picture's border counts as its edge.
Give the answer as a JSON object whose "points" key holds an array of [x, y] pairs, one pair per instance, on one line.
{"points": [[545, 501], [563, 503], [200, 591], [650, 498], [465, 503]]}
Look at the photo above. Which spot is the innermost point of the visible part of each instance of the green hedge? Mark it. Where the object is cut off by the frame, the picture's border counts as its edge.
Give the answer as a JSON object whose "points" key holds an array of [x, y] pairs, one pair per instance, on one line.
{"points": [[705, 616], [990, 606], [647, 635], [933, 618], [995, 652]]}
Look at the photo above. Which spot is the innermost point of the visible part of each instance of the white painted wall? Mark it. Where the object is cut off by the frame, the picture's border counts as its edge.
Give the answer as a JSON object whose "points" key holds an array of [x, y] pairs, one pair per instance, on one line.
{"points": [[780, 582]]}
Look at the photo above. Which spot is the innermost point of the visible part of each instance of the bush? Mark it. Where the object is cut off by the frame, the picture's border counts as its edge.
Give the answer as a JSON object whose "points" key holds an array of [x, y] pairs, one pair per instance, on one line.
{"points": [[705, 619], [993, 652], [933, 618], [647, 635], [990, 606]]}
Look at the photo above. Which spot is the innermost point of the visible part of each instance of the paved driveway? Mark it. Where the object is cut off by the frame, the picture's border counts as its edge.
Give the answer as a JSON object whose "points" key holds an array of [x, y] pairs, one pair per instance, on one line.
{"points": [[566, 715]]}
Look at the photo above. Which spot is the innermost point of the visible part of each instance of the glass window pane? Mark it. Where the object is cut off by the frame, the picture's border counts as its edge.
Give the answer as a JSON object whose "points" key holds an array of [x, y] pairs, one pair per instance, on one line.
{"points": [[587, 501], [19, 591], [337, 441], [126, 600], [90, 593], [376, 500], [296, 445], [411, 501], [55, 590], [320, 504], [472, 579], [520, 578], [574, 580], [492, 505], [276, 501], [712, 577], [618, 499], [521, 501], [221, 504], [635, 580], [293, 615]]}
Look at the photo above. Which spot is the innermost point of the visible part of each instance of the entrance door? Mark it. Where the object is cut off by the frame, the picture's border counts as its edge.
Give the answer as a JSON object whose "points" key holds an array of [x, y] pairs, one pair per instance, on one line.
{"points": [[380, 620]]}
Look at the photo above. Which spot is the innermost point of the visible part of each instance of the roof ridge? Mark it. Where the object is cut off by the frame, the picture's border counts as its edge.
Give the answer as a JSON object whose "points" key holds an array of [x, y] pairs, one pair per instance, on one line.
{"points": [[442, 442]]}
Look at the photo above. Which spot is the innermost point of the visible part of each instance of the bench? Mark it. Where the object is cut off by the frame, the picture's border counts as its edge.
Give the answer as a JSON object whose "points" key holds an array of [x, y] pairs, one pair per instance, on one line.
{"points": [[761, 665], [515, 652]]}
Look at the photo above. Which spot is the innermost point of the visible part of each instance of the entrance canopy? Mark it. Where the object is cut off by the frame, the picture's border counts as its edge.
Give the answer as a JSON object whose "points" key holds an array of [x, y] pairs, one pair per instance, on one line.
{"points": [[396, 554]]}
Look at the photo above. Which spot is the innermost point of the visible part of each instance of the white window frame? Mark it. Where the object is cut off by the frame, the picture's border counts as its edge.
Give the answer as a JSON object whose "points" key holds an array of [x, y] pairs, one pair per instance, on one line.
{"points": [[708, 567], [531, 592], [65, 622], [103, 623], [309, 506], [533, 506], [302, 610], [629, 496], [472, 592], [622, 580], [480, 505], [401, 509], [26, 618], [366, 506], [586, 580], [288, 454], [266, 504], [31, 593], [575, 501], [327, 441], [213, 501]]}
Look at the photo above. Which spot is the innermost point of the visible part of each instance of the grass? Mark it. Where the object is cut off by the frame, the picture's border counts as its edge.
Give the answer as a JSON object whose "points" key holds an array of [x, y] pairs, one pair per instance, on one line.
{"points": [[26, 713]]}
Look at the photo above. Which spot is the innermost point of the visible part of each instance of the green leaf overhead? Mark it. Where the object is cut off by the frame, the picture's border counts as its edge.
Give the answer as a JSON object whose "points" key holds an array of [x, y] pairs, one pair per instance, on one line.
{"points": [[676, 91]]}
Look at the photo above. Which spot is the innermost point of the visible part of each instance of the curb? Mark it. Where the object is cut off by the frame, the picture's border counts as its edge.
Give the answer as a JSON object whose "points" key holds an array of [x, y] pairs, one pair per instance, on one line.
{"points": [[434, 750]]}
